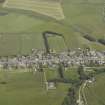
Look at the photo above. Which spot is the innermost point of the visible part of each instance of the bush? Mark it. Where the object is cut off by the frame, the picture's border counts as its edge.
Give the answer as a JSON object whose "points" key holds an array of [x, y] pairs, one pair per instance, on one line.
{"points": [[98, 71], [70, 99], [102, 41], [90, 38], [1, 1]]}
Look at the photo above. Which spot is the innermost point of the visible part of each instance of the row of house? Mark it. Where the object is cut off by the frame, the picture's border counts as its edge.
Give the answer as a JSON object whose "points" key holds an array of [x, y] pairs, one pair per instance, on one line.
{"points": [[38, 58]]}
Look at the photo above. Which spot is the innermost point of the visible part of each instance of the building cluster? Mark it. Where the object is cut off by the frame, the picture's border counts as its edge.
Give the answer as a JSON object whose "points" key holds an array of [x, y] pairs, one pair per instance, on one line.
{"points": [[38, 58]]}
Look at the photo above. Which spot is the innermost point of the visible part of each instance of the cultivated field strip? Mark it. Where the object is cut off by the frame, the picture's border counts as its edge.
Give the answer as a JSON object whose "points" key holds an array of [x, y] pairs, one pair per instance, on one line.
{"points": [[52, 9]]}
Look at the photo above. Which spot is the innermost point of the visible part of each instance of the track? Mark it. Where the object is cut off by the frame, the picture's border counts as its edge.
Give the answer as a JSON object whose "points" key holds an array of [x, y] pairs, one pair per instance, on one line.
{"points": [[82, 98]]}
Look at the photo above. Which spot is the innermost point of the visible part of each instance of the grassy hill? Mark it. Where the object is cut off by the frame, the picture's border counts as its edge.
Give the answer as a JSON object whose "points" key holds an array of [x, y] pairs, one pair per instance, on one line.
{"points": [[21, 30]]}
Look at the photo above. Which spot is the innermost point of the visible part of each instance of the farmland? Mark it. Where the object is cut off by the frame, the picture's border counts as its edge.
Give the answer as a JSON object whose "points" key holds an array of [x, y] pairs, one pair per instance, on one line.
{"points": [[23, 86], [27, 88], [24, 28], [22, 23], [48, 8], [70, 74], [95, 92]]}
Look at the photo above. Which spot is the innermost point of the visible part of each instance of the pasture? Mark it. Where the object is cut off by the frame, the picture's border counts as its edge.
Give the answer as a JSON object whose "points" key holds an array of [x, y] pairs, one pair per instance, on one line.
{"points": [[49, 8], [95, 93], [26, 88], [87, 15], [21, 30], [69, 74]]}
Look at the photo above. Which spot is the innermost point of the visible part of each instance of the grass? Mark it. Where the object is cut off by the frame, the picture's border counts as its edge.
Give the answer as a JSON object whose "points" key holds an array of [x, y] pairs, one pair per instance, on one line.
{"points": [[27, 89], [88, 15], [21, 30], [69, 74], [49, 8], [51, 74], [95, 92]]}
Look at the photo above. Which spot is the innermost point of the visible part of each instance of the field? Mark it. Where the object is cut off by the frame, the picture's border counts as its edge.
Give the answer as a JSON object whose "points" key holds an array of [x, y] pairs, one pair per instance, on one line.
{"points": [[69, 74], [95, 93], [21, 30], [26, 88], [49, 7], [22, 23], [20, 87]]}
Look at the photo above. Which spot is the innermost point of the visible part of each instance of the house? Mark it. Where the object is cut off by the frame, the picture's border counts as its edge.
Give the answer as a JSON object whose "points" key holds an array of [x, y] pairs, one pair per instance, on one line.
{"points": [[50, 85]]}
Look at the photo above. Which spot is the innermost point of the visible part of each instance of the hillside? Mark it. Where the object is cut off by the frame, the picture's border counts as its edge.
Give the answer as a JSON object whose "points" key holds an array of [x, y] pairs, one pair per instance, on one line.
{"points": [[32, 77], [95, 93], [21, 30], [49, 8]]}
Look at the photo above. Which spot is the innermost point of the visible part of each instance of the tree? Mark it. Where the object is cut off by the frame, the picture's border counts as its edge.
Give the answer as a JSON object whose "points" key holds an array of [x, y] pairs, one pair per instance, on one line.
{"points": [[1, 1], [81, 73], [71, 97], [60, 70]]}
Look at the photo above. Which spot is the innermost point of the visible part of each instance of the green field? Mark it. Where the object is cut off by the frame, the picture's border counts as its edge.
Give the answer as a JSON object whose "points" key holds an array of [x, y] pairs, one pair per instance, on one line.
{"points": [[21, 27], [95, 93], [69, 74], [28, 89], [21, 30], [49, 7]]}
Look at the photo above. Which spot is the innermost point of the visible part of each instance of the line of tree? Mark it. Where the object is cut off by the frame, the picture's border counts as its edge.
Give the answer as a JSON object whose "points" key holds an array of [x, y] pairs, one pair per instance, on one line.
{"points": [[102, 41], [61, 71], [99, 70], [90, 38], [70, 99], [1, 1]]}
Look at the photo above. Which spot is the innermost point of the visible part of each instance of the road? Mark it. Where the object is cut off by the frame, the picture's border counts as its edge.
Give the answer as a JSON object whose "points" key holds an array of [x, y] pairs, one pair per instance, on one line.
{"points": [[82, 98]]}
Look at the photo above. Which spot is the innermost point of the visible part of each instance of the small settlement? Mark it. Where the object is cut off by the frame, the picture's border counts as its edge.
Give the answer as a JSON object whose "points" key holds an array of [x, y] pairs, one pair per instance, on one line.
{"points": [[38, 58]]}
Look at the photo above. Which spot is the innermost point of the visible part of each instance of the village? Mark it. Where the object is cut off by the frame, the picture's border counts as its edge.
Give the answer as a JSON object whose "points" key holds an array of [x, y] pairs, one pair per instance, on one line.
{"points": [[39, 58]]}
